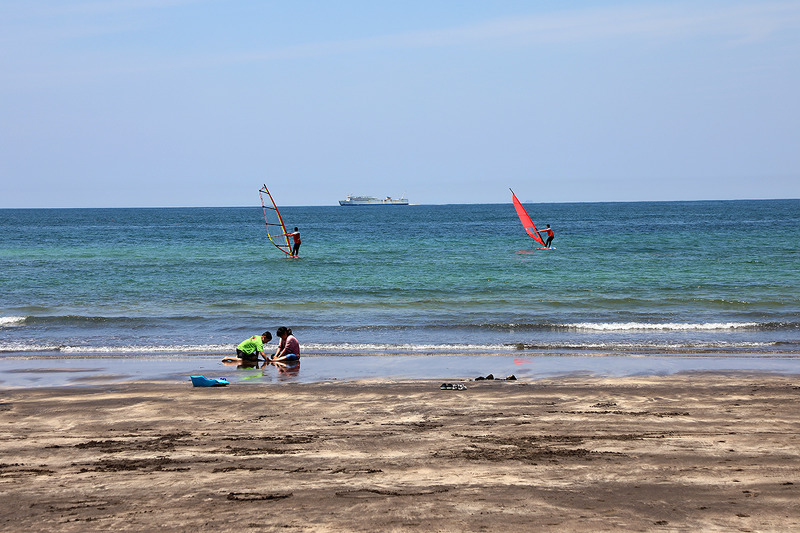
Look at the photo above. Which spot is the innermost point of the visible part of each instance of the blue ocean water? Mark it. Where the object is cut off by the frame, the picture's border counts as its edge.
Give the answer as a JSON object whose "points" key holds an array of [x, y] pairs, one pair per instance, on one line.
{"points": [[635, 279]]}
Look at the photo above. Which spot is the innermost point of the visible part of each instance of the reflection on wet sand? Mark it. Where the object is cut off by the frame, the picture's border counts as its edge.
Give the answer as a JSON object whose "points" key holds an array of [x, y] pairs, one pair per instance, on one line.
{"points": [[287, 370]]}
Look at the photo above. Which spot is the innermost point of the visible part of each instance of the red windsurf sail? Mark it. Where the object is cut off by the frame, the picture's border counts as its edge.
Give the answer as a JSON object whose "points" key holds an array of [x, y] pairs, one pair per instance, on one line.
{"points": [[527, 223]]}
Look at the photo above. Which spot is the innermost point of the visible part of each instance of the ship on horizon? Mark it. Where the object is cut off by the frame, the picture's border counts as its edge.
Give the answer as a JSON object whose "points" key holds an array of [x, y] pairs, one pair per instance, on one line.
{"points": [[371, 200]]}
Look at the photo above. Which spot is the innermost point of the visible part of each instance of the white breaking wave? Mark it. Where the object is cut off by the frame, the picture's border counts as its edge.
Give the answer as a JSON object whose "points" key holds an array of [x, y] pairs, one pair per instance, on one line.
{"points": [[17, 347], [321, 348], [201, 348], [693, 345], [669, 326], [10, 321], [375, 347]]}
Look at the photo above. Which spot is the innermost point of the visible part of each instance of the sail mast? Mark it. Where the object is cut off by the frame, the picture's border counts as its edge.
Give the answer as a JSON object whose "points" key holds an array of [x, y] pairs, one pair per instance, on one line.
{"points": [[285, 248]]}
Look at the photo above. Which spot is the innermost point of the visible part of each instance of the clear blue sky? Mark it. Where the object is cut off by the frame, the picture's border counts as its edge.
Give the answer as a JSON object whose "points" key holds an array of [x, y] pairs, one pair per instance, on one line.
{"points": [[108, 103]]}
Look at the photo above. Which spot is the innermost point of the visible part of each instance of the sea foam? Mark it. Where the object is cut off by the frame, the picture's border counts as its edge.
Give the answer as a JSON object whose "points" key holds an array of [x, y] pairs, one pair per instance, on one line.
{"points": [[11, 321], [669, 326]]}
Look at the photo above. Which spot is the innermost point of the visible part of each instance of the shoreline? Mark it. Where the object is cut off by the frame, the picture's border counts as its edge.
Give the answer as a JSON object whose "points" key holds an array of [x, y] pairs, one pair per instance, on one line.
{"points": [[23, 372], [710, 451]]}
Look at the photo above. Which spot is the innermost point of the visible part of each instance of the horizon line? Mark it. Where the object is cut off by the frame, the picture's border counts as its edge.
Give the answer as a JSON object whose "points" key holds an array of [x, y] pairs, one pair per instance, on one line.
{"points": [[401, 206]]}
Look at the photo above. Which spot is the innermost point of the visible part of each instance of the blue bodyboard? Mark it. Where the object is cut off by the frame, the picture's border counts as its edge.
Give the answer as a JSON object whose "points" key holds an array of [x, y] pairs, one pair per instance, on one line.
{"points": [[202, 381]]}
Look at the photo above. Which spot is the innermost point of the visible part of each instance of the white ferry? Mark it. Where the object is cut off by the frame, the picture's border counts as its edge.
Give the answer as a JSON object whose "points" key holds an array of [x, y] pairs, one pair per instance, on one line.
{"points": [[371, 200]]}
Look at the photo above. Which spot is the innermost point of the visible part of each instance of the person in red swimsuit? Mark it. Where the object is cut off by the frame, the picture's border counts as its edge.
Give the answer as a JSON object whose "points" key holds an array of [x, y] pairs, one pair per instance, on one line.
{"points": [[550, 236], [295, 235]]}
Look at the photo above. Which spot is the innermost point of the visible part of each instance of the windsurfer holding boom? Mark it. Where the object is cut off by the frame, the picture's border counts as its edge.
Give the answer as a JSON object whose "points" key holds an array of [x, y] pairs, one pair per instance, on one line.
{"points": [[550, 235], [295, 235]]}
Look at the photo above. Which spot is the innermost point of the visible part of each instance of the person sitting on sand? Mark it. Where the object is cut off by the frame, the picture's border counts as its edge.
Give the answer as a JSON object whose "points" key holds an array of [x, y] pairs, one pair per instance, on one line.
{"points": [[288, 348], [249, 349]]}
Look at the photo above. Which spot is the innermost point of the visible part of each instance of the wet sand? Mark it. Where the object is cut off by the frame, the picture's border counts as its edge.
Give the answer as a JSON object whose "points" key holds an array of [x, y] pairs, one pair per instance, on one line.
{"points": [[84, 370], [685, 452]]}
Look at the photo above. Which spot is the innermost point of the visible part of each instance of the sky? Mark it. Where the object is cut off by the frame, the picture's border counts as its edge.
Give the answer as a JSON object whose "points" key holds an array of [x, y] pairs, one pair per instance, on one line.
{"points": [[139, 103]]}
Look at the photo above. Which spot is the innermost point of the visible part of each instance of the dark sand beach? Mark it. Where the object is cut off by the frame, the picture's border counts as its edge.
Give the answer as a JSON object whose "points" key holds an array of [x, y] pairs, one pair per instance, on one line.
{"points": [[685, 452]]}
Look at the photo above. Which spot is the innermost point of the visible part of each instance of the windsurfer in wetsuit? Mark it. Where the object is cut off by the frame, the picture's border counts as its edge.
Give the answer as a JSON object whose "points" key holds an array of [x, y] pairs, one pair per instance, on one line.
{"points": [[295, 235], [550, 236]]}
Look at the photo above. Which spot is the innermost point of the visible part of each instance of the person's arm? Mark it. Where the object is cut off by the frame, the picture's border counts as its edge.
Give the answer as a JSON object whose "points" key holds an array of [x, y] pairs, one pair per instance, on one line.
{"points": [[280, 350], [260, 347]]}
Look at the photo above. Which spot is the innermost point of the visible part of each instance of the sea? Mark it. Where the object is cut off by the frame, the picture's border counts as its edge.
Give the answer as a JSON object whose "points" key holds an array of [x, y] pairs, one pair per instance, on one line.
{"points": [[388, 292]]}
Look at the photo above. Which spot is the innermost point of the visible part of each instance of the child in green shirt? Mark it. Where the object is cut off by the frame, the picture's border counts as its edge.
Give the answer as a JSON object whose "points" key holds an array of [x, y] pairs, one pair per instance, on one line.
{"points": [[249, 349]]}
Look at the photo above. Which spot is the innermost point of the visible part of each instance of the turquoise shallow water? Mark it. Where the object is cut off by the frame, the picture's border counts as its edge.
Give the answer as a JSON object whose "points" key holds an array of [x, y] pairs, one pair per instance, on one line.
{"points": [[632, 279]]}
